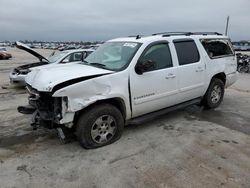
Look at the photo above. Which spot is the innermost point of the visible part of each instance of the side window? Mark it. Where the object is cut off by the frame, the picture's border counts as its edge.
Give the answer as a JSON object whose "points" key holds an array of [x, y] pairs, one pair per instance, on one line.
{"points": [[73, 57], [216, 48], [187, 52], [77, 56], [160, 54]]}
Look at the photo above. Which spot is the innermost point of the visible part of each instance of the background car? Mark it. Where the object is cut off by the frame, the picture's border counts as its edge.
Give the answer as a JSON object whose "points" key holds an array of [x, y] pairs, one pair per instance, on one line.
{"points": [[4, 54], [18, 74]]}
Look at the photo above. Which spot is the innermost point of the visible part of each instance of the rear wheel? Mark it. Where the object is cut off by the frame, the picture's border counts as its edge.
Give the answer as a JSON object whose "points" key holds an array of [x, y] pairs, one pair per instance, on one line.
{"points": [[214, 94], [99, 126]]}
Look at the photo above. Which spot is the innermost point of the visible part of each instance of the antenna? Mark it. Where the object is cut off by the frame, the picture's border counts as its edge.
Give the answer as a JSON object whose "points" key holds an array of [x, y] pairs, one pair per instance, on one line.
{"points": [[227, 25]]}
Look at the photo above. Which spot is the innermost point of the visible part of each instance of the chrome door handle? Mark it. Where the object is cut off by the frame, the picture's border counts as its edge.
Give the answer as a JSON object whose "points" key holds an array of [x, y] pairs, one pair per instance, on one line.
{"points": [[199, 69], [170, 75]]}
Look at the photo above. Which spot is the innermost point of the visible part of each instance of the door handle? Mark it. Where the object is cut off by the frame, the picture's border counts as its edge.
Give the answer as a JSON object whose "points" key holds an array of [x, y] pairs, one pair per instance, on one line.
{"points": [[199, 69], [170, 75]]}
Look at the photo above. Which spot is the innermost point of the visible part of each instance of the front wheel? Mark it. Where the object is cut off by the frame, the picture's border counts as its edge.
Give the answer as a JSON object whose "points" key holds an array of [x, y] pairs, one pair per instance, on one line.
{"points": [[99, 126], [214, 94]]}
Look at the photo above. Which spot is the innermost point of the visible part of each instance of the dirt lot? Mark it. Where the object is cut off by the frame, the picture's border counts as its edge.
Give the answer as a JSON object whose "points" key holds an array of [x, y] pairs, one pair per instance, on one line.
{"points": [[186, 148]]}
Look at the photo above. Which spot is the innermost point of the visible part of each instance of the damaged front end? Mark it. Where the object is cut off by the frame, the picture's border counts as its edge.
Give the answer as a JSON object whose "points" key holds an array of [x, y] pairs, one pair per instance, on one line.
{"points": [[46, 110]]}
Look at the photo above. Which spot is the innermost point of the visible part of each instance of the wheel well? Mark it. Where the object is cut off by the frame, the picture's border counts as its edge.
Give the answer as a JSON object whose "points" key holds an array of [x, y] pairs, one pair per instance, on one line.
{"points": [[117, 102], [221, 76]]}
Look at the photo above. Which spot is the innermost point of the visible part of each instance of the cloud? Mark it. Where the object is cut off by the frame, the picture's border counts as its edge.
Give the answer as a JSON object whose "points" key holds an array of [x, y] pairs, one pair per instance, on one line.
{"points": [[106, 19]]}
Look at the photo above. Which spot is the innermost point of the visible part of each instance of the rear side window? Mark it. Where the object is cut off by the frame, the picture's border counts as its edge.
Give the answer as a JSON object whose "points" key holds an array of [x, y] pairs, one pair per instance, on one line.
{"points": [[216, 48], [187, 52]]}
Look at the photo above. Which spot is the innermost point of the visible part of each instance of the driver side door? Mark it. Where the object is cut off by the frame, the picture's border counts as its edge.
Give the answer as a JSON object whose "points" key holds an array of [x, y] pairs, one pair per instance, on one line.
{"points": [[156, 88]]}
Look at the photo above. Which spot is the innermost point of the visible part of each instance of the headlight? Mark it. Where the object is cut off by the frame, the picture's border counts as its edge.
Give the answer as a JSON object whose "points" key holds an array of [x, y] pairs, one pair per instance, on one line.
{"points": [[33, 94]]}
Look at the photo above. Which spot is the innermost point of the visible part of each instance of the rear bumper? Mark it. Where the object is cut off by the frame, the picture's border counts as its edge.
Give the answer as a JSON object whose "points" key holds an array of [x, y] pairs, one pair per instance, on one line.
{"points": [[231, 79]]}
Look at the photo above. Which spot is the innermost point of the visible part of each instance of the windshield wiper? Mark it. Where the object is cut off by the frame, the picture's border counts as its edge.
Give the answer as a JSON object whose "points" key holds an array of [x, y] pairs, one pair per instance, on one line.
{"points": [[84, 61], [97, 64]]}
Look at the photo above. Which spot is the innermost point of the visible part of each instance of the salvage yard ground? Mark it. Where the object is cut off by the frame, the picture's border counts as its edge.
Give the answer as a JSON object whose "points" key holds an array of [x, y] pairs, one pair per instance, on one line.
{"points": [[186, 148]]}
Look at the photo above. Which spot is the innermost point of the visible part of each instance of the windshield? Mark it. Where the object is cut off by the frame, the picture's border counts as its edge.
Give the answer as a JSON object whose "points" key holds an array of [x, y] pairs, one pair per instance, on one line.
{"points": [[113, 55], [56, 56]]}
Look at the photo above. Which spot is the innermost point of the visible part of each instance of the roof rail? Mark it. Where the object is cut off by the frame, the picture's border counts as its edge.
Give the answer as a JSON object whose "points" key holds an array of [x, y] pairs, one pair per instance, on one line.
{"points": [[172, 33], [167, 34], [206, 33], [136, 36]]}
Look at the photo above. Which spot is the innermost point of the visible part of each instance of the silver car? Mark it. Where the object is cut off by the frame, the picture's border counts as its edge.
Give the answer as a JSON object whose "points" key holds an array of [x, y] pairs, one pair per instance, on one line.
{"points": [[17, 75]]}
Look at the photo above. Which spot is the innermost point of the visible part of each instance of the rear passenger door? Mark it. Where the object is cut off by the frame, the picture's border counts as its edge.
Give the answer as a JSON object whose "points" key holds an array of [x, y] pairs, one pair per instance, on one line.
{"points": [[191, 69]]}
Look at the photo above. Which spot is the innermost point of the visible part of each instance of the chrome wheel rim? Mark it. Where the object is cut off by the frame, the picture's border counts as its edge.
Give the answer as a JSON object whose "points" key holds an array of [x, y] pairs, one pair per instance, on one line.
{"points": [[103, 129], [216, 94]]}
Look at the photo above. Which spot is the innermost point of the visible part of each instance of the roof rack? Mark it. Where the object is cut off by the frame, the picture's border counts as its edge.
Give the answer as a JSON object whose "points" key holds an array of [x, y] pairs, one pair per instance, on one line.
{"points": [[172, 33], [206, 33], [167, 34], [136, 36]]}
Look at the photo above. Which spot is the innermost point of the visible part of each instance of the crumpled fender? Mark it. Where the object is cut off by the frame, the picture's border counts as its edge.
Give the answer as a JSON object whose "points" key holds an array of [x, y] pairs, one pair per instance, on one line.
{"points": [[83, 94]]}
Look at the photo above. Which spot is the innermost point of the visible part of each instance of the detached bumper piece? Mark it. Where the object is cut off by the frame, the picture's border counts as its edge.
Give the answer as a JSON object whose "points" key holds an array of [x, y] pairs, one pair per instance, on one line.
{"points": [[26, 109]]}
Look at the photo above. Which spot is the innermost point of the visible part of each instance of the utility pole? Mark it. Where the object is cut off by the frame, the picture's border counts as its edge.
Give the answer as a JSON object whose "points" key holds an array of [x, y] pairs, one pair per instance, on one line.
{"points": [[227, 26]]}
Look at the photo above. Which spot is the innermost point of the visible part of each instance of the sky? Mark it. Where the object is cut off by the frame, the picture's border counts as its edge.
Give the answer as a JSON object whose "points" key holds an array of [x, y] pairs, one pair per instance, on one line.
{"points": [[100, 20]]}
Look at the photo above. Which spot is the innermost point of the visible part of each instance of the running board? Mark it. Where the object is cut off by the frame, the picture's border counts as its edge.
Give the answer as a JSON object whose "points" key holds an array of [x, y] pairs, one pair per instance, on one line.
{"points": [[152, 115]]}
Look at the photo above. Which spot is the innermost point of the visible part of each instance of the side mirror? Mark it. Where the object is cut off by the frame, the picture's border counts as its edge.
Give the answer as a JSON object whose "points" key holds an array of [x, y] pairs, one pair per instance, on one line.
{"points": [[144, 66]]}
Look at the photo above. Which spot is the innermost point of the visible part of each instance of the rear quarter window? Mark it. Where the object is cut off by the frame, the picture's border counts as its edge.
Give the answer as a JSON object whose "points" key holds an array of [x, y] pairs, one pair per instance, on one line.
{"points": [[217, 48]]}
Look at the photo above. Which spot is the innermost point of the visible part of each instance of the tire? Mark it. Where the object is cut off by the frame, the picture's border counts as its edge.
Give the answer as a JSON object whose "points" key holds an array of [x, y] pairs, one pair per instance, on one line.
{"points": [[214, 94], [100, 125], [243, 69]]}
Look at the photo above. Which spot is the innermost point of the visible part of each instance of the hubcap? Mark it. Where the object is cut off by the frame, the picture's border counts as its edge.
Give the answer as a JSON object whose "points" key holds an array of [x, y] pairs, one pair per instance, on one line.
{"points": [[216, 94], [103, 129]]}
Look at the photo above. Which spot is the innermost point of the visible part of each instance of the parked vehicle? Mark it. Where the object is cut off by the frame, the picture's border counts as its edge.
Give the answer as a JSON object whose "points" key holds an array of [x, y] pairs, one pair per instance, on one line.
{"points": [[130, 80], [4, 54], [18, 74], [243, 63]]}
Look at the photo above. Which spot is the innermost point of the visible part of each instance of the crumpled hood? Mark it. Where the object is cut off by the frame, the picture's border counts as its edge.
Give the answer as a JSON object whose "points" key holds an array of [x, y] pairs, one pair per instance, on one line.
{"points": [[29, 50], [45, 78]]}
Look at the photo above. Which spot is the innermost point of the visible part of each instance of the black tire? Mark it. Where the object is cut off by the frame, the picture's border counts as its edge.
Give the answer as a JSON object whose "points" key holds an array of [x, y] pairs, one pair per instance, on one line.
{"points": [[243, 69], [209, 99], [87, 126]]}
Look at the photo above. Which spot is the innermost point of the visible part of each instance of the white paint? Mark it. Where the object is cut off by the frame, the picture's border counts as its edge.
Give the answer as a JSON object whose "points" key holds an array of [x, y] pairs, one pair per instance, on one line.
{"points": [[150, 91]]}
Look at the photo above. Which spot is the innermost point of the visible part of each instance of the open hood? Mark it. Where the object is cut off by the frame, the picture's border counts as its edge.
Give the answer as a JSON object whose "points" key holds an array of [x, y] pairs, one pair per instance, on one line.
{"points": [[29, 50], [47, 77]]}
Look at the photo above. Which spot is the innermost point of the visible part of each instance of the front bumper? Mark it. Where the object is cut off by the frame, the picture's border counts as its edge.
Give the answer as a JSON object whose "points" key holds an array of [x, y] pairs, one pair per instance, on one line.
{"points": [[26, 109], [46, 109]]}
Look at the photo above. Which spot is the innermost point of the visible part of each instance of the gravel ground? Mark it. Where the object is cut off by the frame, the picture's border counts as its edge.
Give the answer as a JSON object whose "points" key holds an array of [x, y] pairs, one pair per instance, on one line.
{"points": [[185, 148]]}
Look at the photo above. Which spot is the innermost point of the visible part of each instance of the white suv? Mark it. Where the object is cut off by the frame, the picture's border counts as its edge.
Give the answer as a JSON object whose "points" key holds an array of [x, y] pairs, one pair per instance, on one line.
{"points": [[130, 80]]}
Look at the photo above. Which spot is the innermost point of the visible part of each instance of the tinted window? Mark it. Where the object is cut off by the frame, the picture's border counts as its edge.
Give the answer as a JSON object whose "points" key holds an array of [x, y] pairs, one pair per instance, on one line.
{"points": [[187, 52], [217, 47], [160, 54]]}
